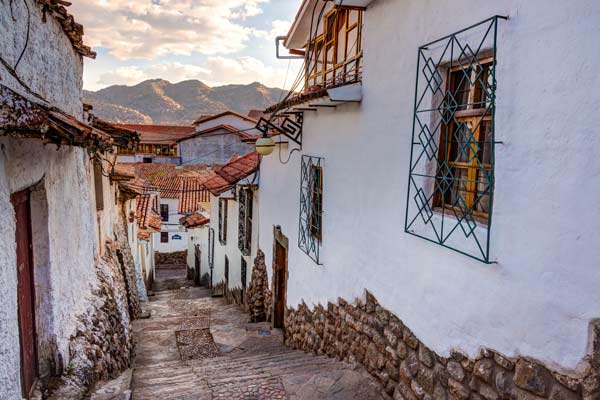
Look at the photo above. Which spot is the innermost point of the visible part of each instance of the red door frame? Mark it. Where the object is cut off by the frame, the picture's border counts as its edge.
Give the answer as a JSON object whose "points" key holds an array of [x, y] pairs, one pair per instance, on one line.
{"points": [[25, 290]]}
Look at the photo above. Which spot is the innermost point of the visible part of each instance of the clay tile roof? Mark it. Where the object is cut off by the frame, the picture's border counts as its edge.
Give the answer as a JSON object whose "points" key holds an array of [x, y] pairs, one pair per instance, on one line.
{"points": [[146, 213], [206, 118], [195, 220], [21, 117], [192, 194], [240, 168], [159, 134], [122, 137], [230, 174], [73, 30]]}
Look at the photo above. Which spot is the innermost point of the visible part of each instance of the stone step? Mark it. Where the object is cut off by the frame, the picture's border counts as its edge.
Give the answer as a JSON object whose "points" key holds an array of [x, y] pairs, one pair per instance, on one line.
{"points": [[246, 359], [272, 370]]}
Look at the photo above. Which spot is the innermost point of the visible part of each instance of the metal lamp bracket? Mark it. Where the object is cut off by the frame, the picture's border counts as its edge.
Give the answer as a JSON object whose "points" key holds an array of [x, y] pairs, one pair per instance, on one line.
{"points": [[290, 128]]}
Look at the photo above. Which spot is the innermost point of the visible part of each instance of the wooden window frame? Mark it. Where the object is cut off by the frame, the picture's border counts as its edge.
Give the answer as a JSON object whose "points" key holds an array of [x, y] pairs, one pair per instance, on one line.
{"points": [[245, 200], [223, 204], [316, 212], [474, 118], [339, 69], [164, 210]]}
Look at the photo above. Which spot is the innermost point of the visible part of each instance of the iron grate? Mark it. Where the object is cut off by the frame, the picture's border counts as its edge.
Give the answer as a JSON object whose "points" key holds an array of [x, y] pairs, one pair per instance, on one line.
{"points": [[451, 174], [311, 207]]}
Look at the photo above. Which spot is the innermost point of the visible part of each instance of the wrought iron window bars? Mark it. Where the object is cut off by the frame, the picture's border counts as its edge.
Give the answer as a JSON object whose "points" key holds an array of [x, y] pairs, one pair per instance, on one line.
{"points": [[311, 207], [451, 174], [291, 128], [245, 196]]}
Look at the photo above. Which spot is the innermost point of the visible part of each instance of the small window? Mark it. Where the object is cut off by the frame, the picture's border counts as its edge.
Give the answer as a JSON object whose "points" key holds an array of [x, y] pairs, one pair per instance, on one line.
{"points": [[316, 211], [310, 234], [164, 212], [245, 198], [223, 221], [147, 160], [164, 237]]}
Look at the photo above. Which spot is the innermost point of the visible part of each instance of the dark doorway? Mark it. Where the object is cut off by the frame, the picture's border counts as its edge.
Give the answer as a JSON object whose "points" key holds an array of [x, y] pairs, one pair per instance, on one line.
{"points": [[147, 160], [243, 274], [279, 284], [226, 273], [25, 291], [197, 271]]}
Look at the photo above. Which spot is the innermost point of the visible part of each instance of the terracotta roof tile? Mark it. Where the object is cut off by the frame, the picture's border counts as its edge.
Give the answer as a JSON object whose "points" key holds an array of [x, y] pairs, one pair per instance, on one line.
{"points": [[72, 29], [231, 173], [146, 212], [195, 220], [160, 134], [192, 193]]}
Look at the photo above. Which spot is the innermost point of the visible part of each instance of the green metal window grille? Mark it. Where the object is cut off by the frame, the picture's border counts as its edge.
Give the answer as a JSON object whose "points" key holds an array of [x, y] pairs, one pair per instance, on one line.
{"points": [[245, 221], [451, 175], [310, 233]]}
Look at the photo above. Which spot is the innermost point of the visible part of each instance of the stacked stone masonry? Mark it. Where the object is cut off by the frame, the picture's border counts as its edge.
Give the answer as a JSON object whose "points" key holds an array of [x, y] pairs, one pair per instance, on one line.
{"points": [[366, 333], [259, 295], [103, 345], [175, 259]]}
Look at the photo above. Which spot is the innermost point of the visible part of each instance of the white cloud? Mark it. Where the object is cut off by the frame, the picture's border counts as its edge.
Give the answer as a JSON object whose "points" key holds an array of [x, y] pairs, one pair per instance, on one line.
{"points": [[154, 28], [278, 28], [217, 71]]}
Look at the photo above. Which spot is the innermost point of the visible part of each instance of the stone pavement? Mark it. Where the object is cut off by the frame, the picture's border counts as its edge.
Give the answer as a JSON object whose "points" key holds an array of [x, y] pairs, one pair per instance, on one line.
{"points": [[195, 347]]}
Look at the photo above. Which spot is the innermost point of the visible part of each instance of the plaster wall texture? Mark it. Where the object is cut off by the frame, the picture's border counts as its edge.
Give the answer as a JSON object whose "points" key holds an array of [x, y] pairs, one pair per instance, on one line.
{"points": [[539, 298], [173, 227], [231, 249], [50, 66], [198, 236], [65, 262], [214, 148], [136, 248]]}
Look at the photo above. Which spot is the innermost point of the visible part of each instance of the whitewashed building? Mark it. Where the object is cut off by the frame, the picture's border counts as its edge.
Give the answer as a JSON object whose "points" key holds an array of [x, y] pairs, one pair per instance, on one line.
{"points": [[64, 258], [218, 138], [446, 162], [233, 229]]}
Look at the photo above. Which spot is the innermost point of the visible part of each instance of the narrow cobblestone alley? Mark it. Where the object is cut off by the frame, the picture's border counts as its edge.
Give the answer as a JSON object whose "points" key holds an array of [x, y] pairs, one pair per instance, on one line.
{"points": [[198, 347]]}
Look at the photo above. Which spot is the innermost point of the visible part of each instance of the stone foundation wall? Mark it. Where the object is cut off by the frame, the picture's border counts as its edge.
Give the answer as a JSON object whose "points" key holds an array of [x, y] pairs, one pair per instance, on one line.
{"points": [[103, 345], [368, 334], [259, 294], [176, 258]]}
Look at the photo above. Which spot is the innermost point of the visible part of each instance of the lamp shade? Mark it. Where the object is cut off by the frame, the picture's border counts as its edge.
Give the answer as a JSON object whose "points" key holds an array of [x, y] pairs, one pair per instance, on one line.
{"points": [[265, 145]]}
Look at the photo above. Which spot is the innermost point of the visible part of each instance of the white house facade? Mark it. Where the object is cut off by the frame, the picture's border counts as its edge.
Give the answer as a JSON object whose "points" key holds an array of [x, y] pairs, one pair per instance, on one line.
{"points": [[461, 206], [233, 236]]}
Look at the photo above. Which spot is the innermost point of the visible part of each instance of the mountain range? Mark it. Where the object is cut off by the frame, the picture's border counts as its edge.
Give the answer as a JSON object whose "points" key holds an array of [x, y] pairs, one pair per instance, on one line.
{"points": [[158, 101]]}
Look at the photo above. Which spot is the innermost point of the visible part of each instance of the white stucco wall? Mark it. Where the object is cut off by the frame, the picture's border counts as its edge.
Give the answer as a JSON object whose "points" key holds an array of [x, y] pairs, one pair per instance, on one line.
{"points": [[540, 296], [198, 236], [68, 259], [50, 66], [231, 249], [173, 227]]}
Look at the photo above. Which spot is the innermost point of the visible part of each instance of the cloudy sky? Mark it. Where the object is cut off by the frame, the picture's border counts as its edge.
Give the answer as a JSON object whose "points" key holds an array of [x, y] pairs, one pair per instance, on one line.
{"points": [[216, 41]]}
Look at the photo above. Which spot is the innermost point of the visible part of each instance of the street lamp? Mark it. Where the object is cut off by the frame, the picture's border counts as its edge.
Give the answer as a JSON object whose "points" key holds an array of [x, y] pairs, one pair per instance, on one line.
{"points": [[265, 145]]}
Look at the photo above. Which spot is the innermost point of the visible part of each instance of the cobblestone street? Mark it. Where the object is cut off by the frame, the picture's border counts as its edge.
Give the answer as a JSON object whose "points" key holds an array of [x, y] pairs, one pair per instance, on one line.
{"points": [[198, 347]]}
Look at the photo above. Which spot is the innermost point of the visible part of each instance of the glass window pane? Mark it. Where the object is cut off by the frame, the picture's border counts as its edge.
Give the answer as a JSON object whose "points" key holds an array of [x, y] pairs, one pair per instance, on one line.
{"points": [[352, 43]]}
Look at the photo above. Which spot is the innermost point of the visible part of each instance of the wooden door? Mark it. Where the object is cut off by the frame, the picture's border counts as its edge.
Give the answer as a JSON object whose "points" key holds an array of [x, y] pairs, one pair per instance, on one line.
{"points": [[25, 291], [279, 285], [198, 273]]}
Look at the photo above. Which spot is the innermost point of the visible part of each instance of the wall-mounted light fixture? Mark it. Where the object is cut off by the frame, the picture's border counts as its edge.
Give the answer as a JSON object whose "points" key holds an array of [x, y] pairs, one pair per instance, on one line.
{"points": [[265, 145]]}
